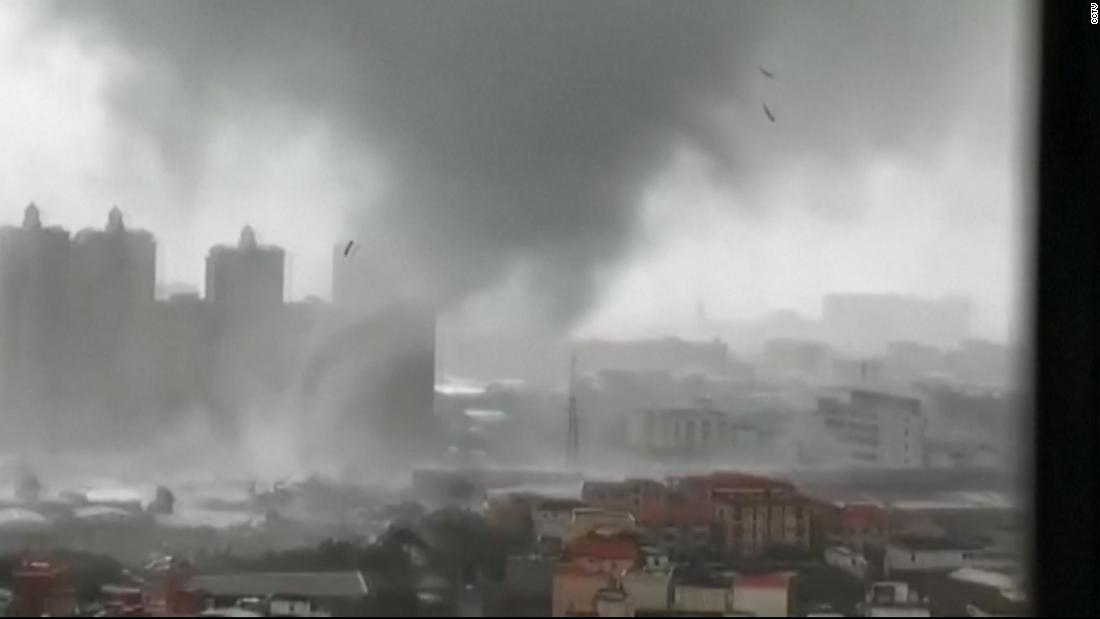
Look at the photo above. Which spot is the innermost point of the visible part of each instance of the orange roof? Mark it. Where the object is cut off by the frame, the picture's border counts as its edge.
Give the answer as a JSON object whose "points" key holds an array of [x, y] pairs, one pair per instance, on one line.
{"points": [[604, 547]]}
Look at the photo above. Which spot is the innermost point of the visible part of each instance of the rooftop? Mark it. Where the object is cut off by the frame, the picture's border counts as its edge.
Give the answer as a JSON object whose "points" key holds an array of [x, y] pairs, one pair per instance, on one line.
{"points": [[261, 584], [934, 543], [559, 505], [768, 580], [605, 547]]}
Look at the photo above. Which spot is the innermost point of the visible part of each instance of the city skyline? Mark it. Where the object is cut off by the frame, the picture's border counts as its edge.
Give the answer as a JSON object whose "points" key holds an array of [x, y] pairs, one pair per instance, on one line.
{"points": [[927, 203]]}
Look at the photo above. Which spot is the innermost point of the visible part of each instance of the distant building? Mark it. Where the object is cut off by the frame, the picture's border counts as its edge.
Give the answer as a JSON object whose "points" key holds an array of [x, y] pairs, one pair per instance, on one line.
{"points": [[35, 275], [553, 519], [699, 431], [113, 293], [587, 520], [756, 520], [876, 428], [804, 357], [866, 323], [245, 279]]}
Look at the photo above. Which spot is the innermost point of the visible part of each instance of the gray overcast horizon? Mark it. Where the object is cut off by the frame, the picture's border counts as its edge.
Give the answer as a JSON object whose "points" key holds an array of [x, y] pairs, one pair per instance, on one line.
{"points": [[591, 167]]}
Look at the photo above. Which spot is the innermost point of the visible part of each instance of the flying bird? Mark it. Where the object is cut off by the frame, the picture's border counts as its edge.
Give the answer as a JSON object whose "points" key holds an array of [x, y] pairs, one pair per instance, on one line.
{"points": [[771, 116], [767, 74], [347, 248]]}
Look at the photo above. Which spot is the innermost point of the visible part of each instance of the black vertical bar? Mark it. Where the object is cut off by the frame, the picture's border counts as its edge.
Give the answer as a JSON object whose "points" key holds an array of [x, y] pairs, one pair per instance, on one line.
{"points": [[1067, 316]]}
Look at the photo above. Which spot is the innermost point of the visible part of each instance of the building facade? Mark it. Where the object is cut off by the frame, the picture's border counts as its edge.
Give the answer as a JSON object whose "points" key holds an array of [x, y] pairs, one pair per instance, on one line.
{"points": [[876, 428]]}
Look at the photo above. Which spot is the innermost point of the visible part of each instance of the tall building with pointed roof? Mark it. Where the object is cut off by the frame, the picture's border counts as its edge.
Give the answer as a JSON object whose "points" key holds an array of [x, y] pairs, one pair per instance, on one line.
{"points": [[34, 305]]}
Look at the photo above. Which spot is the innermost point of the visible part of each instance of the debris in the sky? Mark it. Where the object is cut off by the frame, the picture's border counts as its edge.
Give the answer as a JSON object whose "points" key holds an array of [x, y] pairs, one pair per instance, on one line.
{"points": [[767, 74], [347, 248], [771, 116]]}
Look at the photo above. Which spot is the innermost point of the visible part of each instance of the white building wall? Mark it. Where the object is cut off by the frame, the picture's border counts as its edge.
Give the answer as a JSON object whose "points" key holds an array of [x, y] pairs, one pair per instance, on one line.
{"points": [[761, 601], [648, 589], [901, 558], [552, 523]]}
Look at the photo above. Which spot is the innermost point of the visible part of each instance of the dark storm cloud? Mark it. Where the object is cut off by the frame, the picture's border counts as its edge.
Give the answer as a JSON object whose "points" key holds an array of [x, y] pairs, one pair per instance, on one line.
{"points": [[524, 132]]}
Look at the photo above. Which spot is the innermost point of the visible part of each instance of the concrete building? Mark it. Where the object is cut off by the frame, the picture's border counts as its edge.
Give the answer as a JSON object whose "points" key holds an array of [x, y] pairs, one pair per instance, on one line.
{"points": [[575, 589], [553, 519], [246, 279], [587, 520], [876, 428], [807, 358], [35, 292], [894, 599], [293, 594], [700, 591], [699, 431], [941, 554], [649, 589], [113, 341], [769, 594], [847, 560], [756, 520]]}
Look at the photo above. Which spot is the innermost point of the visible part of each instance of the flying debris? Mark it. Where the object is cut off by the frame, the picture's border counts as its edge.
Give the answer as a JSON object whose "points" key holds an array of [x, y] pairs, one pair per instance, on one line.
{"points": [[768, 74], [348, 248], [771, 116]]}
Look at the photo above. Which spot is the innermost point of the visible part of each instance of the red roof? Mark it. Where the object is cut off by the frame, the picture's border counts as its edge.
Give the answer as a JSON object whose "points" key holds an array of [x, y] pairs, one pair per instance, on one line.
{"points": [[862, 515], [577, 570], [738, 480], [769, 580], [595, 546]]}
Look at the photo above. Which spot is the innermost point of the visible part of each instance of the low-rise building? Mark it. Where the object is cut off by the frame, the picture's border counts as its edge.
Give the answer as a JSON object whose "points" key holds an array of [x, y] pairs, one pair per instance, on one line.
{"points": [[575, 589], [702, 591], [649, 589], [589, 519], [921, 554], [553, 519], [764, 595], [342, 594], [611, 553], [697, 431], [847, 560], [754, 520], [858, 526], [894, 599]]}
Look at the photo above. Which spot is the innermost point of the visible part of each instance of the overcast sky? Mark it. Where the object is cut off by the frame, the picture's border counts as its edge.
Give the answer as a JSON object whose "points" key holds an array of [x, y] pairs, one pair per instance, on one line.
{"points": [[591, 166]]}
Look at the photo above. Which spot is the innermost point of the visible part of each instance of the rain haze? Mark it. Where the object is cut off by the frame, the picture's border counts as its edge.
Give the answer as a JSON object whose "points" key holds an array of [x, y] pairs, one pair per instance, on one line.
{"points": [[364, 240]]}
